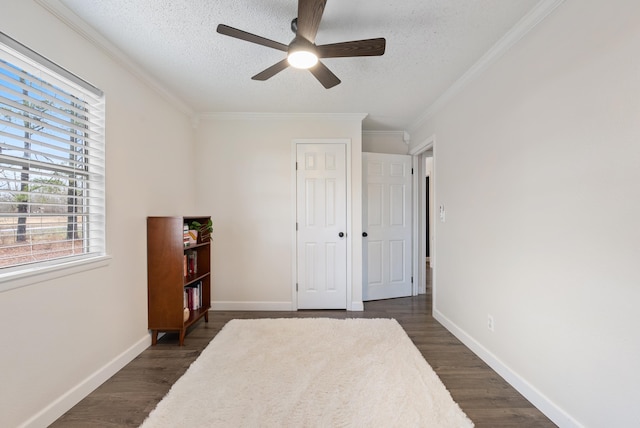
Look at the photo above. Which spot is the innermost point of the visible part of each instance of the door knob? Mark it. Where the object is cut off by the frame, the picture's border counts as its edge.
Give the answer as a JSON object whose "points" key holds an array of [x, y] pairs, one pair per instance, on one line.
{"points": [[341, 234], [364, 234]]}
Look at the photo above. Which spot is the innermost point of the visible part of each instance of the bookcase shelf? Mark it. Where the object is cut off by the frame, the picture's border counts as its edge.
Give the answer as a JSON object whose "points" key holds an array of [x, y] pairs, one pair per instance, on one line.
{"points": [[169, 279]]}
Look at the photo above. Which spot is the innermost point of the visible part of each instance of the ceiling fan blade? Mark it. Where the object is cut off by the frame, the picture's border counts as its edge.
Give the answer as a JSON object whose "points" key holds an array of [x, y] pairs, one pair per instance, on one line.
{"points": [[324, 75], [368, 47], [243, 35], [309, 16], [271, 71]]}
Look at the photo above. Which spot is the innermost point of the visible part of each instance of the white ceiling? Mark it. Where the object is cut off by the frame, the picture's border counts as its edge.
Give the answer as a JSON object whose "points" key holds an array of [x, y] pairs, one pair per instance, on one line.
{"points": [[430, 45]]}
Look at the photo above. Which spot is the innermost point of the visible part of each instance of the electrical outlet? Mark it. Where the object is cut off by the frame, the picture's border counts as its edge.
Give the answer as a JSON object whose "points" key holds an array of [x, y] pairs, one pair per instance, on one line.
{"points": [[490, 324]]}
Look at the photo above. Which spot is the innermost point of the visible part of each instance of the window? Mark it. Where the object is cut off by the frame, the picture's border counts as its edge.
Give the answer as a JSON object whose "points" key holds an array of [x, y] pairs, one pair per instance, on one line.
{"points": [[51, 163]]}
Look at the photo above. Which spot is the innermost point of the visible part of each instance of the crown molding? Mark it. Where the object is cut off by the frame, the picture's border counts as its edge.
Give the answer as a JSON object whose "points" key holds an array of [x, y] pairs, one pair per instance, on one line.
{"points": [[272, 116], [374, 132], [73, 21], [517, 32]]}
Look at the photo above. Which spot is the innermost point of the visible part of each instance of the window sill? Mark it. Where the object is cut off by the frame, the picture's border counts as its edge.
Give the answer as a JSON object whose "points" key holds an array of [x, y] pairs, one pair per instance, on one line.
{"points": [[34, 275]]}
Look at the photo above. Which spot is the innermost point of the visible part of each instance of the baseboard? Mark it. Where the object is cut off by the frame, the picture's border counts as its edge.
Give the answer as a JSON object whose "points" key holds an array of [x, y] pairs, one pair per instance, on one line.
{"points": [[537, 398], [58, 407], [252, 306], [357, 307], [268, 306]]}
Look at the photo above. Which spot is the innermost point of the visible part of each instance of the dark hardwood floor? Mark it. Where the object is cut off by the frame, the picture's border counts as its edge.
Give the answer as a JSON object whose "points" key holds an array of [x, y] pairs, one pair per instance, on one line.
{"points": [[126, 399]]}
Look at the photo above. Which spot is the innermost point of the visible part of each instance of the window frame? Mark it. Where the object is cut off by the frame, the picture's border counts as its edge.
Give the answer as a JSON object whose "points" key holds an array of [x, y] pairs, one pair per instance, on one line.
{"points": [[19, 275]]}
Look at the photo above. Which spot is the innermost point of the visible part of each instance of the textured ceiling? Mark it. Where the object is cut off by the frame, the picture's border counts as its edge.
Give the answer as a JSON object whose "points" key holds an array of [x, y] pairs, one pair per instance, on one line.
{"points": [[430, 44]]}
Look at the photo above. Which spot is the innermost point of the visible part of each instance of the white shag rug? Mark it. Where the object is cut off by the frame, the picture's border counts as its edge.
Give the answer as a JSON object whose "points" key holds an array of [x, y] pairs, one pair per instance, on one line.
{"points": [[314, 372]]}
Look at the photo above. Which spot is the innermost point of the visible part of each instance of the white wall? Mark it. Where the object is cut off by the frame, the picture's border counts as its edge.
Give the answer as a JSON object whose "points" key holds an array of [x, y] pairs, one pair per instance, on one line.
{"points": [[71, 332], [245, 171], [538, 167], [391, 142], [428, 166]]}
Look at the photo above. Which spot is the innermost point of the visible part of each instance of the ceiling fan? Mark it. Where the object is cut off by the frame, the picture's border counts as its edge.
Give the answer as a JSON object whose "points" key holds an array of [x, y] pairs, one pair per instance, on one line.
{"points": [[302, 52]]}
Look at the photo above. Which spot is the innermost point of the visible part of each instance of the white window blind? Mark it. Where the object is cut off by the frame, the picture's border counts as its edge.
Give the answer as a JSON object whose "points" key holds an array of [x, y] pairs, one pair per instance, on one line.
{"points": [[52, 195]]}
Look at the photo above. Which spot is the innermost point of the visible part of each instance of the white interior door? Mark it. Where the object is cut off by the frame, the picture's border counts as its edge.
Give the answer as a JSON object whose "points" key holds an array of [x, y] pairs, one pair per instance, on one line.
{"points": [[321, 216], [387, 223]]}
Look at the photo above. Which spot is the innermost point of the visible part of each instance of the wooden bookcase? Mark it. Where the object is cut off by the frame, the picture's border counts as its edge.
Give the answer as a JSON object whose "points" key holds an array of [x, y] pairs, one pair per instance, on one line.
{"points": [[166, 280]]}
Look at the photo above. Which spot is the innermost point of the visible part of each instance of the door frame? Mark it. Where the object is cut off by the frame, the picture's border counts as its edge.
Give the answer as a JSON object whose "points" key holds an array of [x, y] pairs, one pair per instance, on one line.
{"points": [[294, 234], [418, 154]]}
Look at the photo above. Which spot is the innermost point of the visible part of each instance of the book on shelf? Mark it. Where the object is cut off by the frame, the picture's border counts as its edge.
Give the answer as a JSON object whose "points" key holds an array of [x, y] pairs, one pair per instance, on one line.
{"points": [[192, 263], [185, 234], [193, 296], [184, 265]]}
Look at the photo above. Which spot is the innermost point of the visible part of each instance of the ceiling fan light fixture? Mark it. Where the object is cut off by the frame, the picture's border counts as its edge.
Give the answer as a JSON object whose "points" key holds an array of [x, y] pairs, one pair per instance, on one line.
{"points": [[302, 59], [302, 54]]}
